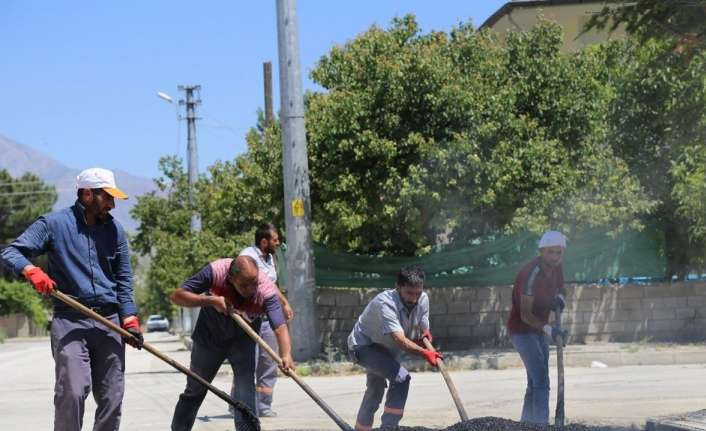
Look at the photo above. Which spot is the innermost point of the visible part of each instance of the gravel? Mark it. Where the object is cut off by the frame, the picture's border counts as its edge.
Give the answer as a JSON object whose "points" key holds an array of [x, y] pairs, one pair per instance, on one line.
{"points": [[499, 424]]}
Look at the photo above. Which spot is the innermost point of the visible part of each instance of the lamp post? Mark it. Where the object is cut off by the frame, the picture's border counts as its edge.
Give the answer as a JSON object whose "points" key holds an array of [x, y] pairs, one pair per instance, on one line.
{"points": [[189, 317]]}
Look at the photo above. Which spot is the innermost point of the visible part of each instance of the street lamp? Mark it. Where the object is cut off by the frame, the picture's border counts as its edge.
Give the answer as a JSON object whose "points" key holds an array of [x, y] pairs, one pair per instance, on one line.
{"points": [[164, 96], [187, 317]]}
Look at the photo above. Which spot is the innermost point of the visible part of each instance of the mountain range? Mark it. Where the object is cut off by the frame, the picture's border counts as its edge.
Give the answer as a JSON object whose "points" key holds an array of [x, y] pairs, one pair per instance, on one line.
{"points": [[18, 158]]}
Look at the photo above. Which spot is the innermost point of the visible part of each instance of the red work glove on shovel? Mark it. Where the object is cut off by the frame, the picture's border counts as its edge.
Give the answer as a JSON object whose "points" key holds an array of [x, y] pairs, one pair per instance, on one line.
{"points": [[132, 325], [432, 357], [420, 341], [40, 280], [427, 334]]}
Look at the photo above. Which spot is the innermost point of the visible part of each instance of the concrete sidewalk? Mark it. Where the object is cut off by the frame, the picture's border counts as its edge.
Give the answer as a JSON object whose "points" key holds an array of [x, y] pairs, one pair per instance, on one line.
{"points": [[575, 355], [610, 354]]}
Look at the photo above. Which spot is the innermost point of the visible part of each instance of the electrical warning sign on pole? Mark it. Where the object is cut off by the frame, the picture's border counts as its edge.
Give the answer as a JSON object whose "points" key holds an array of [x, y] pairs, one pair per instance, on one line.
{"points": [[298, 207]]}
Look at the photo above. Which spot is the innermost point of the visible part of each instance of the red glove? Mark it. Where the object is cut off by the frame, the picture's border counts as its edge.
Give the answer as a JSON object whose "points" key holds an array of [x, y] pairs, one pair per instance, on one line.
{"points": [[432, 357], [40, 280], [420, 341], [427, 334], [132, 325]]}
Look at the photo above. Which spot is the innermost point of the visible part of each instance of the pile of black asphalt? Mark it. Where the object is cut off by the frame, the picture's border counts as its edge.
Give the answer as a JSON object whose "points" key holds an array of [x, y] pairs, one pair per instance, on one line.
{"points": [[499, 424]]}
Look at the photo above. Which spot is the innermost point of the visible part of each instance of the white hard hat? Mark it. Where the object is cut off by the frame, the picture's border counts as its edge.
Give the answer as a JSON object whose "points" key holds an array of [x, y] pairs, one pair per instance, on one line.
{"points": [[99, 178], [552, 238]]}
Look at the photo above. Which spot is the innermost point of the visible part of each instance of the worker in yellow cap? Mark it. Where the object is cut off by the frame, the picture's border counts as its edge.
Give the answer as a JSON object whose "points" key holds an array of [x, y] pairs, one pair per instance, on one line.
{"points": [[88, 259]]}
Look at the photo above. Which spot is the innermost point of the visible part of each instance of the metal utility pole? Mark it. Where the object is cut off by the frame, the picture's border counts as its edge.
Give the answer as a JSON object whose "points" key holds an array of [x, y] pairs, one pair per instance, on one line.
{"points": [[190, 315], [297, 204], [267, 79], [193, 166]]}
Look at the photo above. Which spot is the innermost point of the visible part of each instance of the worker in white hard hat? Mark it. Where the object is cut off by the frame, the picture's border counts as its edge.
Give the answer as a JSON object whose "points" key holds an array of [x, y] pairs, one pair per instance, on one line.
{"points": [[88, 259], [538, 290]]}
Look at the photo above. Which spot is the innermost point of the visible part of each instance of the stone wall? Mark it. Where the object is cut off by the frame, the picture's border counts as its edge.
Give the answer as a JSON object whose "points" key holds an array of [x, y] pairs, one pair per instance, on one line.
{"points": [[19, 325], [472, 317]]}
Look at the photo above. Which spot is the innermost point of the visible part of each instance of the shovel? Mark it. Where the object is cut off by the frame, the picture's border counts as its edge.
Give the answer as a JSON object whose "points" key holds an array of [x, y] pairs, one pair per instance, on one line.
{"points": [[449, 383], [263, 345], [559, 414], [254, 423]]}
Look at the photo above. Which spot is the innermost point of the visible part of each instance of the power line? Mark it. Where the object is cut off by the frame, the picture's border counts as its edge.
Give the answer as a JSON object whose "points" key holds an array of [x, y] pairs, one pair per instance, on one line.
{"points": [[37, 192], [12, 183], [222, 125]]}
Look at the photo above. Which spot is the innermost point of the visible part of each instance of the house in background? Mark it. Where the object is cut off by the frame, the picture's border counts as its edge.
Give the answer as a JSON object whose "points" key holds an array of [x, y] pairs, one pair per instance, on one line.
{"points": [[572, 15]]}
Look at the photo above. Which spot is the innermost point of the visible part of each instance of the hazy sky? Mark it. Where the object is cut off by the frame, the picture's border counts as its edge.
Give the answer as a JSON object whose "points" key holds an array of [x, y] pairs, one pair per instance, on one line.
{"points": [[79, 78]]}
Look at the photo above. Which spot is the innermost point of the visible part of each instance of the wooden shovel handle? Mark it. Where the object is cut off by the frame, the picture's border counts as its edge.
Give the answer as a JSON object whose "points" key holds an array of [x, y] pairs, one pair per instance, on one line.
{"points": [[449, 382], [291, 373], [559, 415], [146, 346]]}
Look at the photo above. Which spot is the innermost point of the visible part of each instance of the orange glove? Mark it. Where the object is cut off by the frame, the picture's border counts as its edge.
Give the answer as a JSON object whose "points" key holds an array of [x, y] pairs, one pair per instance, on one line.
{"points": [[40, 280], [132, 325], [432, 357]]}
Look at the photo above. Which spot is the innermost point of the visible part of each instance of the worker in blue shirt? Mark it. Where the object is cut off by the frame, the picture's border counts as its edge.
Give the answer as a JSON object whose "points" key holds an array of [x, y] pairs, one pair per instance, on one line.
{"points": [[88, 259]]}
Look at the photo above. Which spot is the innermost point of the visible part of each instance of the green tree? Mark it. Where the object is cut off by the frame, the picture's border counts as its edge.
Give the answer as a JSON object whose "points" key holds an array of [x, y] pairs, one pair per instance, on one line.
{"points": [[422, 138], [658, 117], [658, 126], [22, 200], [682, 23], [232, 199]]}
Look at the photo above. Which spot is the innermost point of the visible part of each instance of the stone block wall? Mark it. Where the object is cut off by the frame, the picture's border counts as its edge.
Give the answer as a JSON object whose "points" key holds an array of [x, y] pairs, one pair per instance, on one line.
{"points": [[19, 325], [473, 317]]}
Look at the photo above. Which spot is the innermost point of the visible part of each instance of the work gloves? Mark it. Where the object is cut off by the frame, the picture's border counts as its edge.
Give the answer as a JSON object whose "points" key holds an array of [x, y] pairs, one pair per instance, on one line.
{"points": [[432, 357], [420, 341], [559, 303], [132, 325], [40, 280], [554, 331], [427, 334]]}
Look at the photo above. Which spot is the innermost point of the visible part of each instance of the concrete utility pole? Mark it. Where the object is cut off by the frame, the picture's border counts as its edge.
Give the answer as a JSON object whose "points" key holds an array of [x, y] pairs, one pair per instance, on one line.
{"points": [[190, 315], [267, 79], [193, 166], [297, 204]]}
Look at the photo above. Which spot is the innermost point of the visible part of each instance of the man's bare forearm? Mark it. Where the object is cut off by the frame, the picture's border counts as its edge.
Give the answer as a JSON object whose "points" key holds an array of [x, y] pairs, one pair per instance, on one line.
{"points": [[184, 298], [405, 343]]}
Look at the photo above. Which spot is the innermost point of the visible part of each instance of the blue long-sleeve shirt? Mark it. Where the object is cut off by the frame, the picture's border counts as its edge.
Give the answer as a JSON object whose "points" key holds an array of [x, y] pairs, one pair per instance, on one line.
{"points": [[91, 263]]}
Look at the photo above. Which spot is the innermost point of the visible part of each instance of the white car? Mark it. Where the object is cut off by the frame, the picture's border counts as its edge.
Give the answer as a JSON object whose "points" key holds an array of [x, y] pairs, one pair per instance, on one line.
{"points": [[157, 322]]}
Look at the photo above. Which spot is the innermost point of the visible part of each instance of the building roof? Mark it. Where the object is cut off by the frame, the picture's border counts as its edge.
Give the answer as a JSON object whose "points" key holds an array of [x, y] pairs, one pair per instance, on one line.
{"points": [[509, 6]]}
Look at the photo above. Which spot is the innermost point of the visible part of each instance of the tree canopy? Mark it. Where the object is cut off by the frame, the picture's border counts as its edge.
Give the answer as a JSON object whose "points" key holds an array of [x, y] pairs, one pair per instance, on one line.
{"points": [[22, 200], [680, 22], [421, 140]]}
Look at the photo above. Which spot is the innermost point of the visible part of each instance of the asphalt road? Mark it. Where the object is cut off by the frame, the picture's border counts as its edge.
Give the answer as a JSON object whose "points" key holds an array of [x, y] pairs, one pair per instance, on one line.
{"points": [[614, 396]]}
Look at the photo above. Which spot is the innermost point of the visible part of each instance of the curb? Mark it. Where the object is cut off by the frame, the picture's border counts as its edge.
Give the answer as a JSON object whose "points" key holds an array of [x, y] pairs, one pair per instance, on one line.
{"points": [[693, 421]]}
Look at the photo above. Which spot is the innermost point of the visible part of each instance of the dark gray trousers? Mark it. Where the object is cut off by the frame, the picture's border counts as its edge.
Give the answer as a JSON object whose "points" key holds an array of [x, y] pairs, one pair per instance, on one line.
{"points": [[206, 359], [266, 372], [87, 355], [381, 367]]}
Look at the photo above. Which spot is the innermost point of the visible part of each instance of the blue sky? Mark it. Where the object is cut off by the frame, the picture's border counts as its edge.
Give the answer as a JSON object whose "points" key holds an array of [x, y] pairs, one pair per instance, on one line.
{"points": [[78, 78]]}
